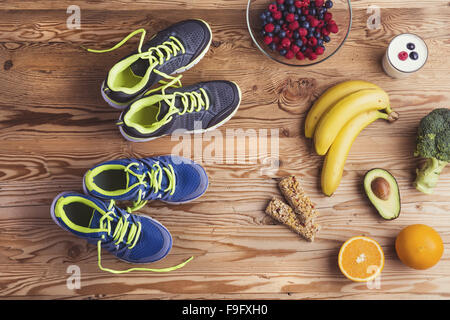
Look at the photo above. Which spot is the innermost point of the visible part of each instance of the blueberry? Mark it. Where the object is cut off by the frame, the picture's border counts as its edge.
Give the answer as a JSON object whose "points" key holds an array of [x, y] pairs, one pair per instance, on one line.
{"points": [[320, 16], [296, 17], [305, 24], [270, 34], [299, 43], [282, 34], [312, 11], [310, 35], [263, 32], [277, 28], [273, 46], [414, 55], [290, 2], [303, 48], [317, 34], [326, 38], [268, 13], [299, 11], [312, 29], [296, 35], [302, 18], [328, 4], [281, 22], [281, 7], [292, 9], [411, 46], [263, 16], [312, 3], [270, 19], [323, 10], [283, 52], [319, 42]]}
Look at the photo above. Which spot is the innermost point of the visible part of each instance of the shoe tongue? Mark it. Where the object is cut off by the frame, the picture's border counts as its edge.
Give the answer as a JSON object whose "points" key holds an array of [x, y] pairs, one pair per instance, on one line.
{"points": [[164, 179], [95, 221], [164, 107]]}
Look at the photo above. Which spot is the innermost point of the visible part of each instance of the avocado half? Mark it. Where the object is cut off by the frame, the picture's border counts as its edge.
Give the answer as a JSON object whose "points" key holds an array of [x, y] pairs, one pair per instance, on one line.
{"points": [[382, 190]]}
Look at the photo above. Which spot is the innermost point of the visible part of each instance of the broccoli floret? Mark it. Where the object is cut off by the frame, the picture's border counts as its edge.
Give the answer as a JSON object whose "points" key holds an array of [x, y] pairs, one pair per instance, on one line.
{"points": [[433, 143]]}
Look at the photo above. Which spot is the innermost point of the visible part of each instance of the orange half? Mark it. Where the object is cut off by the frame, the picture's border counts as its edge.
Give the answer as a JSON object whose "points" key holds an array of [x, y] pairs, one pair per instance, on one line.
{"points": [[361, 259]]}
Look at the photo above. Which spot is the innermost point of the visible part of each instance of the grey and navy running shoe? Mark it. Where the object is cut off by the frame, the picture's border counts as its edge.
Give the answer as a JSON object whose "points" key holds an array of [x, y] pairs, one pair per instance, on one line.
{"points": [[169, 178], [171, 51], [196, 108]]}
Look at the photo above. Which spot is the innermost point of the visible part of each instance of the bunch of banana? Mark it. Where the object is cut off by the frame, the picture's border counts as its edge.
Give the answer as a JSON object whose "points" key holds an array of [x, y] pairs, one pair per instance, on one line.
{"points": [[336, 119]]}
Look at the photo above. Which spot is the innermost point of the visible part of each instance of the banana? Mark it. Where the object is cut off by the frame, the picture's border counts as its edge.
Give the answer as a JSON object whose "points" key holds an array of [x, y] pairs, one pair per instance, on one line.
{"points": [[333, 165], [345, 109], [329, 98]]}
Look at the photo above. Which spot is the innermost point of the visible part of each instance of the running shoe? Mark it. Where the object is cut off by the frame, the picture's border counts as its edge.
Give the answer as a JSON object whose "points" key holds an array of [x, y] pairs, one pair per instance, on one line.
{"points": [[172, 179], [131, 238], [196, 108], [173, 50]]}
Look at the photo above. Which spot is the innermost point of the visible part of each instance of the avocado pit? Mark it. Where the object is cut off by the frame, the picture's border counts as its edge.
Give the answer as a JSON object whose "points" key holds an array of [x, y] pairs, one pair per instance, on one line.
{"points": [[380, 187]]}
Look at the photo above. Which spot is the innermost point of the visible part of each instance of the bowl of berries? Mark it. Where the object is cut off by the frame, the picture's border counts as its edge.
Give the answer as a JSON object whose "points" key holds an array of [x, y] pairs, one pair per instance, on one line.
{"points": [[299, 32]]}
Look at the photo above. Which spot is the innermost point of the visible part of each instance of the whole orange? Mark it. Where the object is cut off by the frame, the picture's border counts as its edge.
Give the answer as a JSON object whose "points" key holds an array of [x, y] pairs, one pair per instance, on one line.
{"points": [[419, 246]]}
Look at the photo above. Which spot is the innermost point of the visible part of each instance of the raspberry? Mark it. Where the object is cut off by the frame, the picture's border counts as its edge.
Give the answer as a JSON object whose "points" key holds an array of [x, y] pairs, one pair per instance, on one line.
{"points": [[289, 34], [320, 24], [312, 56], [277, 15], [298, 4], [300, 56], [325, 31], [312, 41], [302, 32], [269, 27], [304, 40], [319, 3], [280, 1], [294, 25], [305, 11], [273, 8], [314, 22], [327, 16], [276, 40], [284, 26], [268, 40], [319, 50], [307, 52], [290, 17], [285, 42], [403, 55], [279, 47], [289, 55], [332, 28], [295, 48]]}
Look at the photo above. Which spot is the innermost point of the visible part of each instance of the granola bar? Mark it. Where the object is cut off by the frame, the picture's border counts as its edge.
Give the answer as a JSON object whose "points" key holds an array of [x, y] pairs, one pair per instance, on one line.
{"points": [[296, 197], [283, 213]]}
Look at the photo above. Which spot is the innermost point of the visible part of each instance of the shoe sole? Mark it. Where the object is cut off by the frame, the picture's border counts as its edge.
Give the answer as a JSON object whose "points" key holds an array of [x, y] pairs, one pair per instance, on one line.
{"points": [[53, 215], [129, 138], [122, 106]]}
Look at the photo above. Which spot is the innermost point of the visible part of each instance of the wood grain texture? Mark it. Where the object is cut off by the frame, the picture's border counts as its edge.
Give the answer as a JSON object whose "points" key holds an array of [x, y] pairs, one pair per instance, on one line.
{"points": [[54, 126]]}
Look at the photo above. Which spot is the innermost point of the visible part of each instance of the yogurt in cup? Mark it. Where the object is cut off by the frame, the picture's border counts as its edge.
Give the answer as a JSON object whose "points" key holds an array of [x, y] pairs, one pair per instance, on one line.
{"points": [[405, 54]]}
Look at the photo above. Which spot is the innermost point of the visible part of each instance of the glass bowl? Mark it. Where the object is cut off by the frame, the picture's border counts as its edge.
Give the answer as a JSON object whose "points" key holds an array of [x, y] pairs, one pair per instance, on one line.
{"points": [[342, 14]]}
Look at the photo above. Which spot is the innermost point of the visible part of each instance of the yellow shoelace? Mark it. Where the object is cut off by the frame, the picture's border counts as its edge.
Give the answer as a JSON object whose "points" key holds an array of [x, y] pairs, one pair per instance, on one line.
{"points": [[191, 101], [156, 55], [118, 235], [155, 181]]}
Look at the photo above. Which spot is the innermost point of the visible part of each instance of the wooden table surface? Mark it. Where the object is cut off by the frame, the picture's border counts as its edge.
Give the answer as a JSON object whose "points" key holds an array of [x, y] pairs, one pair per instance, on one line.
{"points": [[54, 126]]}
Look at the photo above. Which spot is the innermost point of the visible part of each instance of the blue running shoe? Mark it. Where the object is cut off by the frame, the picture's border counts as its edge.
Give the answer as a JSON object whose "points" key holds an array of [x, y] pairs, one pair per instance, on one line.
{"points": [[131, 238], [172, 179]]}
